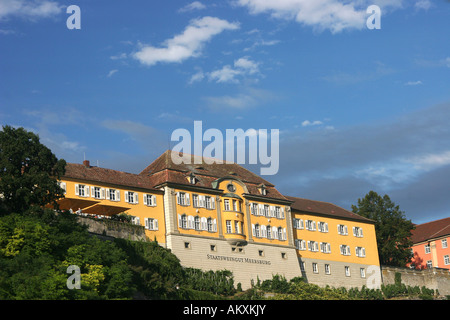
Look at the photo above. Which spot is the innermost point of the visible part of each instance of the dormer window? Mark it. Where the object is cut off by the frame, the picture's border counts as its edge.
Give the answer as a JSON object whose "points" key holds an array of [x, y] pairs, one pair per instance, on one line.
{"points": [[192, 179], [262, 189]]}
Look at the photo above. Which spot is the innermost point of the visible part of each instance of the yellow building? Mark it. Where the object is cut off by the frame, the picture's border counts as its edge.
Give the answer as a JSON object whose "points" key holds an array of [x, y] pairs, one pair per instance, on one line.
{"points": [[222, 216]]}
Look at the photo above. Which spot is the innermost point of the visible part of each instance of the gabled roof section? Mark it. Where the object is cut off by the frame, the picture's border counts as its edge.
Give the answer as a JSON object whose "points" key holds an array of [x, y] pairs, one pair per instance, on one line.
{"points": [[107, 176], [324, 208], [164, 170], [431, 230]]}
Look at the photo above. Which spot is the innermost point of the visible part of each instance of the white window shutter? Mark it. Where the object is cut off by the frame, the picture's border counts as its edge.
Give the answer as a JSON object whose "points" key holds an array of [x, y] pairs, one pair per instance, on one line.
{"points": [[263, 231], [77, 189], [253, 229], [126, 196], [345, 230], [155, 224], [188, 202], [179, 221], [136, 197], [360, 232], [178, 198], [284, 234], [282, 212], [107, 194], [354, 232], [154, 200], [213, 202], [117, 195], [102, 193], [328, 248], [272, 211], [146, 222], [215, 225], [93, 192], [326, 227], [145, 199], [86, 191], [275, 232], [190, 222]]}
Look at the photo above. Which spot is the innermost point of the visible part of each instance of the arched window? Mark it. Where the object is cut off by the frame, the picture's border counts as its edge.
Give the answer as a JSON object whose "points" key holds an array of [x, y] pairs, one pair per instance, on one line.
{"points": [[184, 221], [257, 232], [197, 223], [280, 233], [210, 225]]}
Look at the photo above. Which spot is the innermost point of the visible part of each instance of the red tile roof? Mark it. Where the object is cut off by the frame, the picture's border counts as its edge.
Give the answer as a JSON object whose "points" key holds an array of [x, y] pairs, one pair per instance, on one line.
{"points": [[107, 176], [431, 230], [164, 170], [324, 208]]}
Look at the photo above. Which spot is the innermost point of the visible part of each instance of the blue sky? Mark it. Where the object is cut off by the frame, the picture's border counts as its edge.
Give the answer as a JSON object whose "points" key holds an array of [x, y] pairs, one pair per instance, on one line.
{"points": [[357, 109]]}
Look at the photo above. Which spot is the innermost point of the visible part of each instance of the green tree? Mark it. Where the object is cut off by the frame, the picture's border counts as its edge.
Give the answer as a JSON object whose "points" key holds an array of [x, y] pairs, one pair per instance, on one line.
{"points": [[393, 230], [28, 171]]}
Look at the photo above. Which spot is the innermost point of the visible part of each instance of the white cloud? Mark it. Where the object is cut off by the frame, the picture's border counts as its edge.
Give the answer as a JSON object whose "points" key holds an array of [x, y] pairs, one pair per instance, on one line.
{"points": [[185, 45], [196, 5], [413, 83], [430, 161], [423, 4], [334, 15], [229, 74], [308, 123], [31, 10], [110, 74]]}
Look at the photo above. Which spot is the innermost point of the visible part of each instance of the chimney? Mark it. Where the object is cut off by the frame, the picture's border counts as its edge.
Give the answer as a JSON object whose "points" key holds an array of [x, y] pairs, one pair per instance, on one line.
{"points": [[86, 163]]}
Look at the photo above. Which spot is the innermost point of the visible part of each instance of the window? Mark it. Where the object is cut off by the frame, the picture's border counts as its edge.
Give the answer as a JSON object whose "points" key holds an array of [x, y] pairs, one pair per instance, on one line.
{"points": [[208, 202], [210, 224], [151, 224], [135, 220], [231, 187], [226, 205], [150, 200], [429, 264], [266, 210], [310, 225], [235, 205], [300, 244], [113, 194], [281, 235], [236, 226], [357, 232], [257, 230], [325, 247], [63, 186], [228, 225], [444, 243], [298, 223], [427, 248], [183, 221], [254, 209], [283, 255], [345, 250], [213, 247], [313, 246], [278, 212], [315, 268], [131, 197], [269, 232], [342, 229], [446, 259], [183, 199], [362, 272], [197, 223], [96, 192], [347, 271], [187, 245], [323, 226], [327, 269], [81, 190], [195, 201], [360, 252], [261, 253]]}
